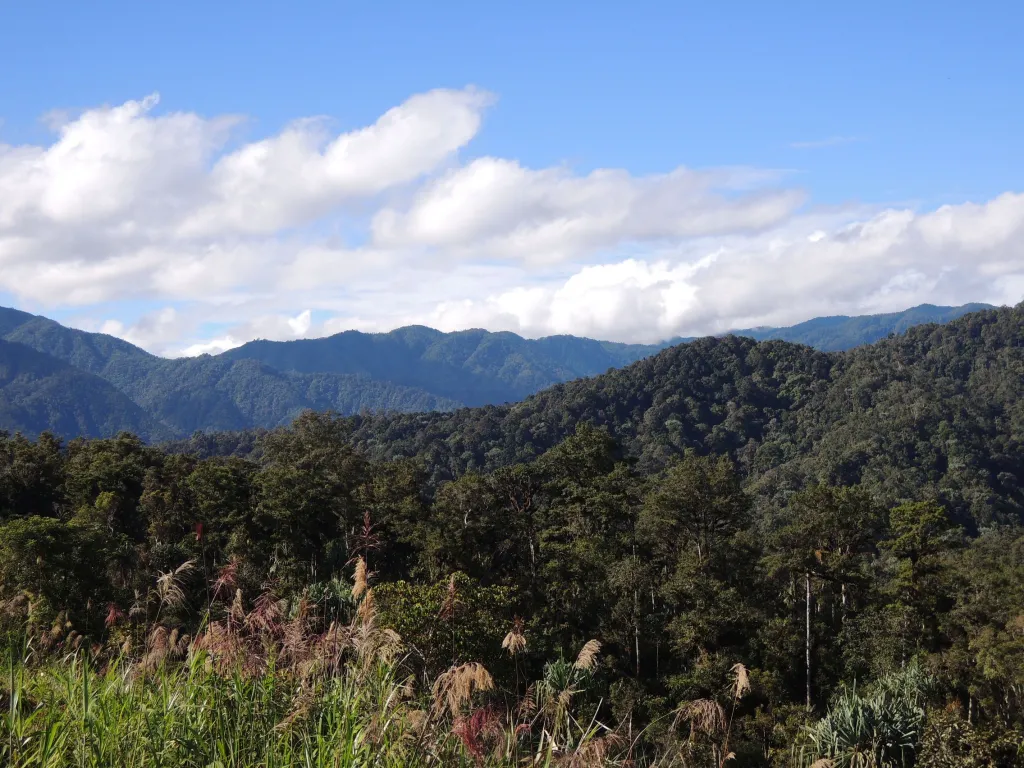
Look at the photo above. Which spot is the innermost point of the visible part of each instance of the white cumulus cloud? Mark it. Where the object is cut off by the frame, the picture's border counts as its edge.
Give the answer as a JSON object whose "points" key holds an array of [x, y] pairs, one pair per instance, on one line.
{"points": [[891, 261], [499, 208], [298, 175], [128, 202], [184, 237]]}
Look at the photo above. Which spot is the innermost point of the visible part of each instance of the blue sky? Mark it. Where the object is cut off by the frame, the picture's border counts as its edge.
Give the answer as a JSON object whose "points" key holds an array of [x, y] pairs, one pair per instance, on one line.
{"points": [[861, 107]]}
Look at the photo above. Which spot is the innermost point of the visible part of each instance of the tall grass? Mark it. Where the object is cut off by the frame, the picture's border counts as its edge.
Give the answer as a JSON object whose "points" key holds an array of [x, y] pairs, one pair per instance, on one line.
{"points": [[276, 686], [68, 714], [319, 682]]}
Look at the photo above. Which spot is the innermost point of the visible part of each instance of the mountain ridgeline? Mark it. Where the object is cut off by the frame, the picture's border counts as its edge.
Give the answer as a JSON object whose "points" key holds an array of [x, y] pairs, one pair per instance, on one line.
{"points": [[95, 385], [840, 332], [472, 367]]}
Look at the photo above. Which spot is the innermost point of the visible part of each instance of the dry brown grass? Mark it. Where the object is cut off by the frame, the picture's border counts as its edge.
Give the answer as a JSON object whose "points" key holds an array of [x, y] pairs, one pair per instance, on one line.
{"points": [[361, 580], [594, 752], [515, 641], [704, 716], [291, 638], [587, 658], [226, 579], [740, 681], [451, 602], [169, 585], [454, 687]]}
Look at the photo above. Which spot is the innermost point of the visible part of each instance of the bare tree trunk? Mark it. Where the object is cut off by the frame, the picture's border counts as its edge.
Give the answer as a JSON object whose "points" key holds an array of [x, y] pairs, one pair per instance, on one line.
{"points": [[636, 616], [844, 594], [807, 643], [636, 640]]}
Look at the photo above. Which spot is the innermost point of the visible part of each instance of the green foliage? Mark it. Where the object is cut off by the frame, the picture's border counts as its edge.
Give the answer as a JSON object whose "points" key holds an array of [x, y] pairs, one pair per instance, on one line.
{"points": [[878, 729], [447, 623], [32, 482], [57, 567], [192, 716], [950, 741]]}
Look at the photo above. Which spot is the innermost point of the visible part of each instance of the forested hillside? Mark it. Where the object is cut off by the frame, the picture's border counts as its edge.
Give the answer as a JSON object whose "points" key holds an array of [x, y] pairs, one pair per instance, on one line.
{"points": [[474, 367], [937, 410], [266, 384], [205, 393], [37, 390], [732, 547]]}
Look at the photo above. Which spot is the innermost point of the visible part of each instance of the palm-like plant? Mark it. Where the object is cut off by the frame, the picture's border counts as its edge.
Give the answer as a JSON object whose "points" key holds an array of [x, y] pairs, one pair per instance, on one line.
{"points": [[562, 681], [877, 729]]}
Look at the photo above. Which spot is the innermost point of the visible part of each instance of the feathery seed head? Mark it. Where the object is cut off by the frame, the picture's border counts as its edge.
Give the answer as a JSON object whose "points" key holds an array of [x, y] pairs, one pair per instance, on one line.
{"points": [[587, 659]]}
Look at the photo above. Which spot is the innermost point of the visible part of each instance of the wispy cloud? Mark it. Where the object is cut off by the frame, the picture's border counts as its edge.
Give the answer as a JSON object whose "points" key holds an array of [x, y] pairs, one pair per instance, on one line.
{"points": [[831, 141]]}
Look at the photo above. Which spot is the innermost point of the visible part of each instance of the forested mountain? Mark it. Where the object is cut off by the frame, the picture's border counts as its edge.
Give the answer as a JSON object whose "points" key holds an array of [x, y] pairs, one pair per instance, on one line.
{"points": [[179, 396], [40, 392], [475, 367], [266, 384], [211, 393], [937, 411], [769, 555], [480, 368]]}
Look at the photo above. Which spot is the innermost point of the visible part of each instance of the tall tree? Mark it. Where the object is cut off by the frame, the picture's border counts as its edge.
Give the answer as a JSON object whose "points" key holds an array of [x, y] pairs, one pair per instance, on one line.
{"points": [[825, 539]]}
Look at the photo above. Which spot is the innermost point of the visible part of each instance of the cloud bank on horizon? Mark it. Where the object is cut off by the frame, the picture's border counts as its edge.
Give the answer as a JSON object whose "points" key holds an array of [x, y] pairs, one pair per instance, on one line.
{"points": [[308, 232]]}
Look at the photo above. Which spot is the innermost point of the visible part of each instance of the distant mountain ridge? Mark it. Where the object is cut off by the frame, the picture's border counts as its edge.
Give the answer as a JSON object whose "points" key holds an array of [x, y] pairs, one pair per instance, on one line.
{"points": [[77, 383], [38, 391], [474, 367], [202, 393], [841, 332]]}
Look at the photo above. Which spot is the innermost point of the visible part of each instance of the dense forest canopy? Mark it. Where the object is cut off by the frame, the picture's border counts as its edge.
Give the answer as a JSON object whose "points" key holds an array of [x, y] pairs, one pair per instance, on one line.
{"points": [[822, 519]]}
